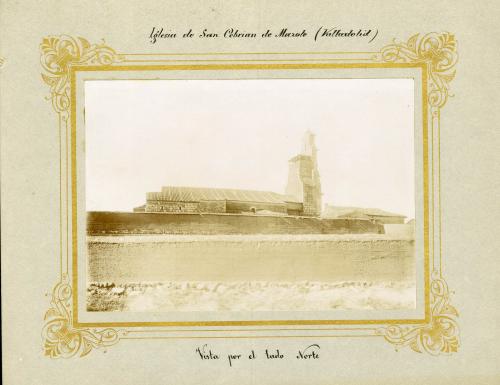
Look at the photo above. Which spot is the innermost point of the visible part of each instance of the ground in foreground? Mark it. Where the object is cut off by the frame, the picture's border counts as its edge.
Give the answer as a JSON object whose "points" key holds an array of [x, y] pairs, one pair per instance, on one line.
{"points": [[250, 296]]}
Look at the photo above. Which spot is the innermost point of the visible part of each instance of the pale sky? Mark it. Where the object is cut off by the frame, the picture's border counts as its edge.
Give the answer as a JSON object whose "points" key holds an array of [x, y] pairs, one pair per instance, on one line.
{"points": [[145, 134]]}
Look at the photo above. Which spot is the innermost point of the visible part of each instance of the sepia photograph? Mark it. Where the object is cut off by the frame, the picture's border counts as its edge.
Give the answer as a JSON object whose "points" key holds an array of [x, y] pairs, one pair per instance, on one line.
{"points": [[250, 195]]}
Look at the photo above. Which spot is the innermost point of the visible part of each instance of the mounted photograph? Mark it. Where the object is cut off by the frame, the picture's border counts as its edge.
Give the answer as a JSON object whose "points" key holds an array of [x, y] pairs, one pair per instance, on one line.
{"points": [[250, 195]]}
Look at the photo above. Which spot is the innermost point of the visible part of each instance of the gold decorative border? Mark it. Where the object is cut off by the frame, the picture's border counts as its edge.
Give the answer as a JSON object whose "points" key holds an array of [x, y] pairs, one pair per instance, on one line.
{"points": [[61, 338], [58, 54], [440, 335], [435, 51], [438, 51]]}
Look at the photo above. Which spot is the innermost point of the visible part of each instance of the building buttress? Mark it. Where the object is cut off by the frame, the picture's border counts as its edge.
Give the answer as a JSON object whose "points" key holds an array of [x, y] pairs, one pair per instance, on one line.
{"points": [[303, 177]]}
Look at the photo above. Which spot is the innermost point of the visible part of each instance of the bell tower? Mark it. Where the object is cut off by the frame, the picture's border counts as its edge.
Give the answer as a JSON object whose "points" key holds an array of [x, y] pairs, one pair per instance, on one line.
{"points": [[303, 177]]}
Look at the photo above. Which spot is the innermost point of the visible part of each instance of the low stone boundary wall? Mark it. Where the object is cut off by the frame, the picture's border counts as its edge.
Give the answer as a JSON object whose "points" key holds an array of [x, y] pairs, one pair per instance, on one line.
{"points": [[103, 222], [333, 258]]}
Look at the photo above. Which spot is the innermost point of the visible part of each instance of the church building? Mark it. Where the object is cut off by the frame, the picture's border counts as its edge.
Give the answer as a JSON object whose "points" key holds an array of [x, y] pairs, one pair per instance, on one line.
{"points": [[302, 195]]}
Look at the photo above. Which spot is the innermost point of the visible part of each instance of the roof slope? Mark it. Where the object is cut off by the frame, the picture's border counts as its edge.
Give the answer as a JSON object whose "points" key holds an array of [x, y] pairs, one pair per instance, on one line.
{"points": [[358, 212], [196, 194]]}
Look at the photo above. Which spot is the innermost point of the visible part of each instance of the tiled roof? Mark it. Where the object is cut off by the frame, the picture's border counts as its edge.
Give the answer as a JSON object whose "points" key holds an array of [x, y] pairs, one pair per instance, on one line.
{"points": [[196, 194], [358, 212]]}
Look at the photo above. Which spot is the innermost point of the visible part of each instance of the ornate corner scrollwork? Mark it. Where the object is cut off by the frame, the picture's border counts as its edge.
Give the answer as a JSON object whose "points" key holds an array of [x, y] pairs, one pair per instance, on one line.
{"points": [[59, 53], [437, 50], [61, 338], [441, 335]]}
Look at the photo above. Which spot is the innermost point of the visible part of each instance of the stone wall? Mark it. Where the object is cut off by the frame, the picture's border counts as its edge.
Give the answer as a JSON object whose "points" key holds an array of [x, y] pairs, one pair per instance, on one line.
{"points": [[400, 230], [236, 207], [309, 202], [100, 222], [389, 220], [283, 258], [294, 208], [172, 207], [303, 184], [212, 206]]}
